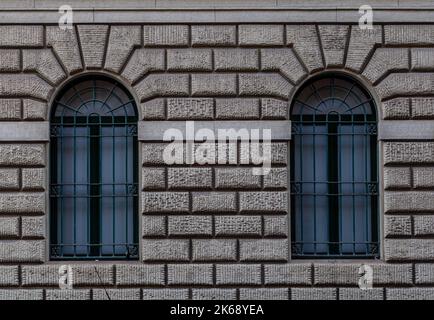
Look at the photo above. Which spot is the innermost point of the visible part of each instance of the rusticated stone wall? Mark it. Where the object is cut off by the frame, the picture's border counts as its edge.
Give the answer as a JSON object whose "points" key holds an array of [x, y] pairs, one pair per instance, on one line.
{"points": [[217, 232]]}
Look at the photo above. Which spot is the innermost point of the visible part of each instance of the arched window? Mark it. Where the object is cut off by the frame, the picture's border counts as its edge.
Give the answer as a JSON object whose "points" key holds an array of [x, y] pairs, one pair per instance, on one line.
{"points": [[94, 179], [334, 185]]}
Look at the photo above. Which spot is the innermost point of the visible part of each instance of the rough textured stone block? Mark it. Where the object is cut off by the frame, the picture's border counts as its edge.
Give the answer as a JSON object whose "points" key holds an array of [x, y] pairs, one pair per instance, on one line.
{"points": [[33, 227], [397, 226], [404, 84], [154, 109], [423, 177], [152, 153], [334, 41], [121, 43], [42, 275], [264, 84], [45, 63], [283, 60], [33, 179], [189, 59], [214, 294], [22, 202], [34, 110], [153, 226], [115, 294], [392, 274], [236, 178], [305, 41], [277, 178], [313, 294], [22, 251], [213, 35], [260, 35], [93, 42], [156, 85], [397, 178], [165, 250], [9, 227], [409, 294], [142, 62], [236, 59], [157, 202], [274, 109], [21, 36], [165, 35], [386, 60], [409, 34], [214, 202], [263, 250], [358, 294], [279, 152], [88, 275], [238, 274], [422, 59], [190, 178], [10, 109], [424, 273], [23, 84], [9, 276], [288, 274], [238, 225], [65, 44], [74, 294], [9, 179], [9, 60], [22, 154], [139, 274], [213, 84], [423, 225], [214, 250], [153, 178], [422, 108], [190, 226], [276, 226], [395, 109], [21, 294], [264, 202], [190, 274], [264, 294], [165, 294], [336, 274], [421, 201], [233, 109], [408, 152], [408, 249], [362, 42], [190, 108]]}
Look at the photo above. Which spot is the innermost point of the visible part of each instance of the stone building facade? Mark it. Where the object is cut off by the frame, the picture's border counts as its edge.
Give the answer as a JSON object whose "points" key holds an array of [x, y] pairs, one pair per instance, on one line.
{"points": [[213, 231]]}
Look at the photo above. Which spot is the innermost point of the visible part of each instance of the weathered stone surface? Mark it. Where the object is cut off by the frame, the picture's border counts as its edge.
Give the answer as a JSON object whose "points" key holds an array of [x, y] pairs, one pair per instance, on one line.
{"points": [[9, 60], [115, 294], [22, 202], [236, 178], [45, 63], [121, 42], [190, 108], [408, 249], [165, 250], [283, 60], [305, 41], [21, 36], [213, 35], [65, 45], [9, 276], [406, 83], [21, 84], [153, 178], [276, 226], [214, 294], [40, 275], [260, 35], [238, 274], [22, 154], [153, 226], [276, 178], [9, 227], [190, 274], [423, 177], [75, 294], [313, 294], [395, 109], [139, 274], [264, 84], [386, 60], [238, 226], [143, 61], [214, 250], [190, 178], [189, 59], [236, 59], [9, 179], [423, 225], [34, 110], [409, 294], [159, 202], [165, 35], [154, 109], [22, 251], [152, 153], [10, 109], [421, 201], [288, 274], [422, 59], [362, 42], [422, 108], [274, 109], [21, 294], [33, 227], [264, 202], [213, 84], [409, 34], [33, 179], [392, 274], [87, 275], [336, 274], [397, 178], [232, 109], [397, 226], [408, 152], [165, 294], [334, 41], [214, 201], [424, 273], [190, 226], [93, 42], [264, 250], [358, 294], [157, 85]]}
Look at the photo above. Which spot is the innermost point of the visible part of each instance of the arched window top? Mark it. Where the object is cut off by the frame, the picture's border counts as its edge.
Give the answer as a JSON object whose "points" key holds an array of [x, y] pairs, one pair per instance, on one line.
{"points": [[94, 96], [333, 94]]}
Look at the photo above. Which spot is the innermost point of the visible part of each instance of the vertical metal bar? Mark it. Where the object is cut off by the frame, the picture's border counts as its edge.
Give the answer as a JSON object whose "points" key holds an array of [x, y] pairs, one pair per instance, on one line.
{"points": [[61, 189], [113, 187], [352, 183], [315, 239], [54, 190], [332, 165], [95, 204]]}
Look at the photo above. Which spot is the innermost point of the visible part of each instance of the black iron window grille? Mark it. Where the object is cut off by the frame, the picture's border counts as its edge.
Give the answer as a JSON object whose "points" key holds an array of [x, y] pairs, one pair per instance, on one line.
{"points": [[94, 172], [334, 185]]}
